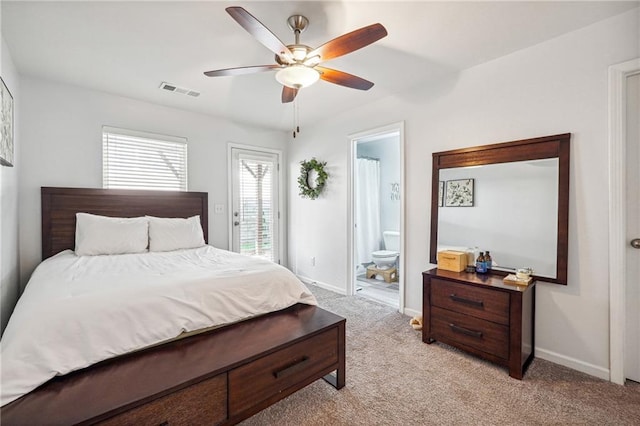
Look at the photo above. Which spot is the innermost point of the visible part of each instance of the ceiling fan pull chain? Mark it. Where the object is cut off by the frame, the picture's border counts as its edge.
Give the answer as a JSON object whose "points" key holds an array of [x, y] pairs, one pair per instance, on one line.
{"points": [[295, 102], [296, 116]]}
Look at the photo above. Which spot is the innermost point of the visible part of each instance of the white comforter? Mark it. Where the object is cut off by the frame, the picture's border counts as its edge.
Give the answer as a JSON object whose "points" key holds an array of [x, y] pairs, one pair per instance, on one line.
{"points": [[79, 310]]}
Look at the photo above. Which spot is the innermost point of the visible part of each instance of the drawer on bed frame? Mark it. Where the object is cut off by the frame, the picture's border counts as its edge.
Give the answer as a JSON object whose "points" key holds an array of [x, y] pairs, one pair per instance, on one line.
{"points": [[199, 404], [274, 374]]}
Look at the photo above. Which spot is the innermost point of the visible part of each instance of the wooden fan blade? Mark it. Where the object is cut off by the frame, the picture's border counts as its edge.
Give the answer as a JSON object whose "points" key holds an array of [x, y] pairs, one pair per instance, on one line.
{"points": [[288, 94], [259, 31], [241, 70], [349, 42], [343, 78]]}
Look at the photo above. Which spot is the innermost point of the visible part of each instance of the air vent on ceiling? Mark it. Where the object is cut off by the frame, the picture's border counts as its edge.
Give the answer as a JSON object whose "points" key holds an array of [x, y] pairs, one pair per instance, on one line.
{"points": [[173, 88]]}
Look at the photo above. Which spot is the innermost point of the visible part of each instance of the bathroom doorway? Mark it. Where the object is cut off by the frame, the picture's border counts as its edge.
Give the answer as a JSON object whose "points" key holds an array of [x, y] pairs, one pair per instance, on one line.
{"points": [[376, 205]]}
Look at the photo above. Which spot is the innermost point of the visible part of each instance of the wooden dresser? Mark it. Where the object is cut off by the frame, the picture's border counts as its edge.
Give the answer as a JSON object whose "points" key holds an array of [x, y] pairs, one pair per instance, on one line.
{"points": [[481, 315]]}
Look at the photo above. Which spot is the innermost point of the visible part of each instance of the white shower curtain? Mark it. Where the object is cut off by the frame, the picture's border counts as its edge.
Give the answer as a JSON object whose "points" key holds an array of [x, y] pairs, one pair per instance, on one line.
{"points": [[368, 233]]}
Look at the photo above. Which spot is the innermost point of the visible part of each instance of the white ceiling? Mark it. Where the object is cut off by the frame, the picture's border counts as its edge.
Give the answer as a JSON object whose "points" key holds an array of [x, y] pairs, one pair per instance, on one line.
{"points": [[129, 48]]}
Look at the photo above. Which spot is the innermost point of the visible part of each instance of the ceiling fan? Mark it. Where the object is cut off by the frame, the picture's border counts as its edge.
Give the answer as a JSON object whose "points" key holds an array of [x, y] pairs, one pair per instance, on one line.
{"points": [[298, 65]]}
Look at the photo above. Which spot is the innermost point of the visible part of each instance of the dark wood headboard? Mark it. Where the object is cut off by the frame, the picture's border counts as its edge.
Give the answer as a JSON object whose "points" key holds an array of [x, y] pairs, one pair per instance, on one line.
{"points": [[60, 205]]}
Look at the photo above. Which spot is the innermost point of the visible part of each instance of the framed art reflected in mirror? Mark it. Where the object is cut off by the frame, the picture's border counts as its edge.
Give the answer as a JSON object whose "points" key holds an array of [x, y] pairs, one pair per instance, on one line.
{"points": [[459, 193]]}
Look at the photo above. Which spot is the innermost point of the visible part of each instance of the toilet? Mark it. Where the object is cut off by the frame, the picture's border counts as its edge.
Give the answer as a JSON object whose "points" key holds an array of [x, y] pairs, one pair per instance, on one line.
{"points": [[385, 259]]}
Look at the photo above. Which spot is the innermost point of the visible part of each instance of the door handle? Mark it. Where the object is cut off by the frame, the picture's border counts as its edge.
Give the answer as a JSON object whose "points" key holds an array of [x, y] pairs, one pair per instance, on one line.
{"points": [[236, 223], [635, 243]]}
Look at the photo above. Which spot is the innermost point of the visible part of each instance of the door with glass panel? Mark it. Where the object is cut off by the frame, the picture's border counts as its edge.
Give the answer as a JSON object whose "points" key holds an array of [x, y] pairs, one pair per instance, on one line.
{"points": [[255, 215]]}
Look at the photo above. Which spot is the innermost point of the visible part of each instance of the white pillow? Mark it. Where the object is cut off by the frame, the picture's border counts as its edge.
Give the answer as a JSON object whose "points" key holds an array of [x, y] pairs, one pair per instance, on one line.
{"points": [[110, 235], [167, 234]]}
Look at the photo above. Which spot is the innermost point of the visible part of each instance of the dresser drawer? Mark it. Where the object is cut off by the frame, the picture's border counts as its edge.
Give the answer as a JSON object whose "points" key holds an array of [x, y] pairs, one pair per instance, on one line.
{"points": [[271, 374], [202, 403], [488, 304], [482, 335]]}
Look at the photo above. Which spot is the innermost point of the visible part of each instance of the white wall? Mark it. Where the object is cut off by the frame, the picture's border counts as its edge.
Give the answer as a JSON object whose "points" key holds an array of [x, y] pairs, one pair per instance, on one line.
{"points": [[61, 137], [9, 271], [555, 87]]}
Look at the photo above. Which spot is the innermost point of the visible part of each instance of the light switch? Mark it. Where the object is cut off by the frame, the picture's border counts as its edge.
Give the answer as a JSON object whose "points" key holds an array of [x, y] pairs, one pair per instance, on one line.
{"points": [[218, 208]]}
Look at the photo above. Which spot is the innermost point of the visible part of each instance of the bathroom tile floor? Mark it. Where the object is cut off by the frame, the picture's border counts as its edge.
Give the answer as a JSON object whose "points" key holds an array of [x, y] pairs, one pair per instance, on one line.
{"points": [[380, 291]]}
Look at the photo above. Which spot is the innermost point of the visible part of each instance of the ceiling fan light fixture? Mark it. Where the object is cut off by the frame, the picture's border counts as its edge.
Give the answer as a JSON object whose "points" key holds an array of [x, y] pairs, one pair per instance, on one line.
{"points": [[312, 61], [297, 76], [299, 53]]}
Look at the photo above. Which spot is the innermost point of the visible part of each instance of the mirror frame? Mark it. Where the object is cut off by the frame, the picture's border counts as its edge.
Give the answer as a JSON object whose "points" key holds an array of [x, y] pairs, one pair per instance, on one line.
{"points": [[556, 146]]}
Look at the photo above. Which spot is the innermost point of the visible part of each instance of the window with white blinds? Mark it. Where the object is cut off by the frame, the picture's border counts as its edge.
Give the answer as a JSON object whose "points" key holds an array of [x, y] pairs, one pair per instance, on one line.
{"points": [[258, 206], [138, 160]]}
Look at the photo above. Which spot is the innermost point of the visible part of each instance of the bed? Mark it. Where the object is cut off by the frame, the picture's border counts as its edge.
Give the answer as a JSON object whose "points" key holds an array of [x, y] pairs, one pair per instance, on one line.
{"points": [[220, 376]]}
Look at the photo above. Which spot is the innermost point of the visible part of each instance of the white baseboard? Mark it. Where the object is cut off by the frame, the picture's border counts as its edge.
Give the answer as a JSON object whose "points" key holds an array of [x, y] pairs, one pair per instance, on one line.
{"points": [[412, 312], [322, 285], [573, 363]]}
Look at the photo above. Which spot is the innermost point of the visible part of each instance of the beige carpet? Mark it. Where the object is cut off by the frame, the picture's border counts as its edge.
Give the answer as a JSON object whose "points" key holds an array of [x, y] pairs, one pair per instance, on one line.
{"points": [[395, 379]]}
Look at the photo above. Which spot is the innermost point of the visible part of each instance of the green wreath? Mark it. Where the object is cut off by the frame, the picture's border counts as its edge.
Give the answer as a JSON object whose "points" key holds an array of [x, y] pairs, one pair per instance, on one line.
{"points": [[306, 167]]}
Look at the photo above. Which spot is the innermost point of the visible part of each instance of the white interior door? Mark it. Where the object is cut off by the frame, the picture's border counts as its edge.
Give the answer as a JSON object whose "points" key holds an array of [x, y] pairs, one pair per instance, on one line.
{"points": [[632, 293], [255, 212]]}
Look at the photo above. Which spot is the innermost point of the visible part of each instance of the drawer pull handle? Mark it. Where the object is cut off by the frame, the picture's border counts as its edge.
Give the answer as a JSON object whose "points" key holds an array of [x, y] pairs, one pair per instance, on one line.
{"points": [[462, 330], [455, 298], [294, 367]]}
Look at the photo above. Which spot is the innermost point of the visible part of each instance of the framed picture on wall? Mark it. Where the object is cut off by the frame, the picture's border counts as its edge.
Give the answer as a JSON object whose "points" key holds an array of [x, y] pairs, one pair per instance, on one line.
{"points": [[6, 131], [441, 193], [459, 193]]}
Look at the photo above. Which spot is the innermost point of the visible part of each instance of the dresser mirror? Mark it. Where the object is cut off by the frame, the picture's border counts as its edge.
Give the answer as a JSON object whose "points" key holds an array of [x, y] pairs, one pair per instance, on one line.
{"points": [[509, 198]]}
